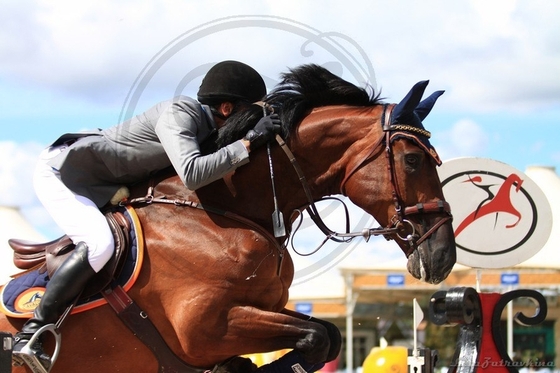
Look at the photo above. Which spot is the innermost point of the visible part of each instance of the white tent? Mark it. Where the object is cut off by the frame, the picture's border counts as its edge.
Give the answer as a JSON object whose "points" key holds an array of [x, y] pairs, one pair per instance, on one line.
{"points": [[549, 182], [13, 225]]}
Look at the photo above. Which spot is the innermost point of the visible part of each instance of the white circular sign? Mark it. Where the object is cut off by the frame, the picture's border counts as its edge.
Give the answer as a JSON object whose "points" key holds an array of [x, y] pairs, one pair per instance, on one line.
{"points": [[500, 216]]}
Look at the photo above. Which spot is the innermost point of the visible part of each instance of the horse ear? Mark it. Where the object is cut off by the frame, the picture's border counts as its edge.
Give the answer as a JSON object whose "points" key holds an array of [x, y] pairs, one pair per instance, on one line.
{"points": [[405, 109], [424, 108]]}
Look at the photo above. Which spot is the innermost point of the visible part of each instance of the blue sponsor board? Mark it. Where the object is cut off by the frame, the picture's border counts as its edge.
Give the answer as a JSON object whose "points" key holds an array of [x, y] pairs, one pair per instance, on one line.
{"points": [[395, 280], [306, 308], [510, 278]]}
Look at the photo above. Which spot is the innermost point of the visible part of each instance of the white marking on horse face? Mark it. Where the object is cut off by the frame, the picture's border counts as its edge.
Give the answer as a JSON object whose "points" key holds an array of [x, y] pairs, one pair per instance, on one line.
{"points": [[422, 270]]}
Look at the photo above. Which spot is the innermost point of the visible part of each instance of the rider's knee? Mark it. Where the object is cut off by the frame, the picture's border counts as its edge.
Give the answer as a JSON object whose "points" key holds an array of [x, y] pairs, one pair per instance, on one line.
{"points": [[100, 251]]}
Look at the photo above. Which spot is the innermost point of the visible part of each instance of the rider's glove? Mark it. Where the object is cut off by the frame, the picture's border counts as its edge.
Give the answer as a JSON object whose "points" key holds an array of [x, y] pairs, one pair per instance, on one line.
{"points": [[264, 131]]}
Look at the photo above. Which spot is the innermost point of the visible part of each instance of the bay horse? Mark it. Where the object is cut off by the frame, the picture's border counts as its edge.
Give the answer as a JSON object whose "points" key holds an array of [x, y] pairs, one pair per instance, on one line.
{"points": [[216, 286]]}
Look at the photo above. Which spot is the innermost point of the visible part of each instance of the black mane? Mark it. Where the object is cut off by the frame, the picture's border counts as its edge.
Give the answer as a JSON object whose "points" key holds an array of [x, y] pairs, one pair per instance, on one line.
{"points": [[300, 90]]}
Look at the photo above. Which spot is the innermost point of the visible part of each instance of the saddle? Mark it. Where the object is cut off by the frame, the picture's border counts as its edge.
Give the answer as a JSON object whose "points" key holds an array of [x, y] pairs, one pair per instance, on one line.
{"points": [[49, 256]]}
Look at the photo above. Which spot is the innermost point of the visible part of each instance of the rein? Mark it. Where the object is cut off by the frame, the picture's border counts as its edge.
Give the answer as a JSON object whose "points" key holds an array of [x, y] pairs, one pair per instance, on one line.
{"points": [[314, 214]]}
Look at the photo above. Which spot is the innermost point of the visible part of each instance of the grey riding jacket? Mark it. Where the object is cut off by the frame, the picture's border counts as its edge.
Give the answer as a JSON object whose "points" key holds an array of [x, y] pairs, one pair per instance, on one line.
{"points": [[96, 163]]}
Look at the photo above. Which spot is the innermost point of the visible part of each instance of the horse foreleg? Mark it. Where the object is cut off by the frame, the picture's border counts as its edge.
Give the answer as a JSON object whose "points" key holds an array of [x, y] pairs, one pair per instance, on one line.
{"points": [[251, 330], [335, 337]]}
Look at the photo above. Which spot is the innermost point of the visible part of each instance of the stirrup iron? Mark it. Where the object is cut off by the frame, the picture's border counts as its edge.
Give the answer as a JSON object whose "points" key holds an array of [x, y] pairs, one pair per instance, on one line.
{"points": [[27, 354]]}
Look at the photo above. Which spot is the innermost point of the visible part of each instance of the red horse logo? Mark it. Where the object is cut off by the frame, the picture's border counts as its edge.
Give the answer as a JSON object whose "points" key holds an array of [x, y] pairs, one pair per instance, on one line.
{"points": [[501, 202]]}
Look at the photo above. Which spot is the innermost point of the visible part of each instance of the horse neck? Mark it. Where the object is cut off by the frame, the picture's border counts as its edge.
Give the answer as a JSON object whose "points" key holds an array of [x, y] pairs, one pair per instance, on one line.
{"points": [[331, 139]]}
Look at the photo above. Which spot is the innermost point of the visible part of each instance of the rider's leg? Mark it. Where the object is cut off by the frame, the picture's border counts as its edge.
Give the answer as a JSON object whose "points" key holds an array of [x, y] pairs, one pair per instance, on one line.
{"points": [[82, 221], [62, 289], [76, 215]]}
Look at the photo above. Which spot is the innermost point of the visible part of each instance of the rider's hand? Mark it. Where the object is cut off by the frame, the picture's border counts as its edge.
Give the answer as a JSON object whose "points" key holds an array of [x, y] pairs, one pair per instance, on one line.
{"points": [[264, 131]]}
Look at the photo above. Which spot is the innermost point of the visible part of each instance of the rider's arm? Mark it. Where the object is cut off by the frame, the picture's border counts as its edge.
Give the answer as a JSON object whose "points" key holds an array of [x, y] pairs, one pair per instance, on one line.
{"points": [[178, 131]]}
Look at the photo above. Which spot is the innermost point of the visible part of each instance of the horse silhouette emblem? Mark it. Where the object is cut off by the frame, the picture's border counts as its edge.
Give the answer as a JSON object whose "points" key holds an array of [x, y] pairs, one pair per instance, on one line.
{"points": [[493, 204]]}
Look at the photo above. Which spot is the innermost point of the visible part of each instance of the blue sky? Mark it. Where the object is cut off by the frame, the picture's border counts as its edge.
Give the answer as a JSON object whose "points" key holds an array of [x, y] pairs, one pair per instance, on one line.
{"points": [[71, 66]]}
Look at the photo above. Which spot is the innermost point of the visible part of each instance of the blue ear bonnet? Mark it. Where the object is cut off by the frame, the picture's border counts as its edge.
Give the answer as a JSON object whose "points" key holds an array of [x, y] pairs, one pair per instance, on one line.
{"points": [[407, 116]]}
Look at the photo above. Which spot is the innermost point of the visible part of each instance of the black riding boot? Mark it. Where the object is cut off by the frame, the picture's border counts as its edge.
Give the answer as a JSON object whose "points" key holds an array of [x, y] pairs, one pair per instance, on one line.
{"points": [[63, 288]]}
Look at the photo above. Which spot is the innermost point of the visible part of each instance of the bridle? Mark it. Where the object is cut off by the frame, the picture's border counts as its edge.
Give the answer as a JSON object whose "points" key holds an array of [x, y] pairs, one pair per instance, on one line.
{"points": [[399, 224]]}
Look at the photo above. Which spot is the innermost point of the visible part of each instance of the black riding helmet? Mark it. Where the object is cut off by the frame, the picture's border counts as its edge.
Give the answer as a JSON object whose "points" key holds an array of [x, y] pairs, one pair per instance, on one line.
{"points": [[231, 81]]}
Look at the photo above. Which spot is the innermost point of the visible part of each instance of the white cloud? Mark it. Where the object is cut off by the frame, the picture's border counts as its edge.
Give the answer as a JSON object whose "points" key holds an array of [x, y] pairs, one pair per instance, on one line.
{"points": [[465, 138], [489, 56], [16, 173], [16, 189]]}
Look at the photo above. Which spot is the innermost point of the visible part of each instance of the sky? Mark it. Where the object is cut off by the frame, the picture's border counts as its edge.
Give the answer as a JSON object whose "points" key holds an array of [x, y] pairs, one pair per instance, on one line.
{"points": [[71, 66]]}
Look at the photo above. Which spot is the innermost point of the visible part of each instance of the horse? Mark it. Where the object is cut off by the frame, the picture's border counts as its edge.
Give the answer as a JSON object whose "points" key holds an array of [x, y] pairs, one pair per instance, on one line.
{"points": [[215, 280]]}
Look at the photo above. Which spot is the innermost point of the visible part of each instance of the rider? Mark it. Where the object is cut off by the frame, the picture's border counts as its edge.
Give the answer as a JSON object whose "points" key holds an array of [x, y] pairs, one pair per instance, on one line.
{"points": [[79, 173]]}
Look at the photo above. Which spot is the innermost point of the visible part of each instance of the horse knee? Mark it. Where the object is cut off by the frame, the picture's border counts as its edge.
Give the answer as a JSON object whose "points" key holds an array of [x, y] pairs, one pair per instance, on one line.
{"points": [[315, 345], [334, 335]]}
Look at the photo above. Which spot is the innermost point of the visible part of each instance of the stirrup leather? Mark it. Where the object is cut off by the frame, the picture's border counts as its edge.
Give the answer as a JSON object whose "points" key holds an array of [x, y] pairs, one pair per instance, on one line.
{"points": [[28, 356]]}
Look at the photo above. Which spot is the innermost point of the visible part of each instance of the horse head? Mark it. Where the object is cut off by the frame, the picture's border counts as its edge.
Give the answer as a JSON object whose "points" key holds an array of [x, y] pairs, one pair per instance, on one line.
{"points": [[414, 204]]}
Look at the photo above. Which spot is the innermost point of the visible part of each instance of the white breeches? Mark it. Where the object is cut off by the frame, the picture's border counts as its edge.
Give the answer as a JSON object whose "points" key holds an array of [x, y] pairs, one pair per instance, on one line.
{"points": [[76, 215]]}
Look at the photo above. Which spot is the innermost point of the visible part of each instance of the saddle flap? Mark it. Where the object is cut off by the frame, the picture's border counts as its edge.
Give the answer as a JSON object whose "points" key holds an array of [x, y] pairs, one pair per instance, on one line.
{"points": [[29, 254], [25, 247]]}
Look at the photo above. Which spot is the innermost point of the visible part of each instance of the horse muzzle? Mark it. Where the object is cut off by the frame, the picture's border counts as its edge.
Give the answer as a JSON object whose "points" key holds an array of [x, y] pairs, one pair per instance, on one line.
{"points": [[434, 257], [430, 245]]}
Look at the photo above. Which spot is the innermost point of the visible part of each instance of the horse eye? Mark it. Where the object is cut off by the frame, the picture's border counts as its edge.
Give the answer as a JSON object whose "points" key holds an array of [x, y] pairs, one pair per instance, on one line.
{"points": [[412, 160]]}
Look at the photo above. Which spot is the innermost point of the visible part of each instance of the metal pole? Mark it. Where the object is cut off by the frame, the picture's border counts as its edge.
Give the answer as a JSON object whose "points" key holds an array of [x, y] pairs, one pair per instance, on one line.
{"points": [[510, 326], [349, 280]]}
